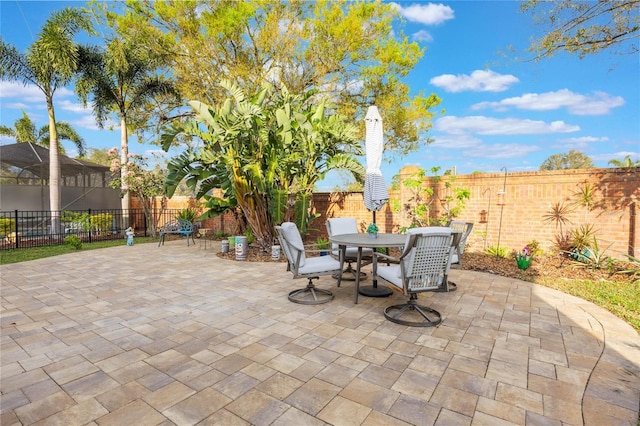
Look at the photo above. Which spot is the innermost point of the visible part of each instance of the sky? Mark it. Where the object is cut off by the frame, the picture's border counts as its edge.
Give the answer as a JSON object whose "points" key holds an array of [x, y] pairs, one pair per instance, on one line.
{"points": [[499, 111]]}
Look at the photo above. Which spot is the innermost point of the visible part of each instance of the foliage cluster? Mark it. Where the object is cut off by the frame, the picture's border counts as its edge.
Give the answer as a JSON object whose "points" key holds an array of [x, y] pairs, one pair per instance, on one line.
{"points": [[73, 241], [498, 251], [7, 226], [322, 243], [266, 152], [83, 221], [189, 214], [352, 53], [571, 160], [418, 208], [584, 28], [145, 183], [580, 244]]}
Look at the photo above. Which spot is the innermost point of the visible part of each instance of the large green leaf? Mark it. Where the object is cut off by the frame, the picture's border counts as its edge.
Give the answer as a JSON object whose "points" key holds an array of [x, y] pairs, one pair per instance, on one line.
{"points": [[279, 200]]}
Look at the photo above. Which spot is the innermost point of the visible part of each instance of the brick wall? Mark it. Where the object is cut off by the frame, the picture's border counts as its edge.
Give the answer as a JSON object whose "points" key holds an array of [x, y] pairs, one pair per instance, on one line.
{"points": [[223, 223], [527, 198]]}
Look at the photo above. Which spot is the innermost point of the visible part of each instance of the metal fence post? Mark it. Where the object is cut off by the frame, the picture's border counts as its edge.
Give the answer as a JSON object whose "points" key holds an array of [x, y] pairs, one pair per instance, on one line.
{"points": [[17, 230], [89, 225]]}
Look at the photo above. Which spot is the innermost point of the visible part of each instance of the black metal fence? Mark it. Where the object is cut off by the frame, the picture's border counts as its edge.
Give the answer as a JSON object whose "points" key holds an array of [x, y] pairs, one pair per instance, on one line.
{"points": [[24, 229]]}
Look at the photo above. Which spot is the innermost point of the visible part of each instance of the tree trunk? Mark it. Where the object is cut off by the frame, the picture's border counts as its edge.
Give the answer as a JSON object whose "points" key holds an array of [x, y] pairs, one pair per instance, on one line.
{"points": [[124, 160], [54, 172]]}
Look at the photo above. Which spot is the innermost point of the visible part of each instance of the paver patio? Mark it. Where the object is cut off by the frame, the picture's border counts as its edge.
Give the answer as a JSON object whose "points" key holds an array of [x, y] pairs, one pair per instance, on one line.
{"points": [[175, 335]]}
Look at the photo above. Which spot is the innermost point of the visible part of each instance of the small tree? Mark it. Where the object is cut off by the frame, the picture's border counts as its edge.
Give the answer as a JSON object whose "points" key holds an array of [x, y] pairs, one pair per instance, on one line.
{"points": [[140, 181], [418, 209], [571, 160]]}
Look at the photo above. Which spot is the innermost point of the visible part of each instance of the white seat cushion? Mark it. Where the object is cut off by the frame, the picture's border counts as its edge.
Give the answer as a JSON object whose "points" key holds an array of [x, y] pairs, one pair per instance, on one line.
{"points": [[391, 274], [292, 236], [319, 264], [343, 225]]}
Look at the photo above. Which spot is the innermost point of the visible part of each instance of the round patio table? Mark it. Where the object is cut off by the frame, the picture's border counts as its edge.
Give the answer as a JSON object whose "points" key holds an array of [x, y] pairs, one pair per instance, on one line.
{"points": [[362, 240]]}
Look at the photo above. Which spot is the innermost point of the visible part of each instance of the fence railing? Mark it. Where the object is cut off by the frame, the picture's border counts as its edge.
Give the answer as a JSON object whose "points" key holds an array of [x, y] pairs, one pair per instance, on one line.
{"points": [[24, 229]]}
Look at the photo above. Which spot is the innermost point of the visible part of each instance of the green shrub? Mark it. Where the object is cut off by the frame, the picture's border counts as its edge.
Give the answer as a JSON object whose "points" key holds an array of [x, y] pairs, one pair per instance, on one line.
{"points": [[78, 221], [534, 248], [582, 237], [633, 270], [322, 243], [249, 234], [592, 257], [101, 222], [73, 241], [7, 226], [188, 214], [497, 251], [220, 235]]}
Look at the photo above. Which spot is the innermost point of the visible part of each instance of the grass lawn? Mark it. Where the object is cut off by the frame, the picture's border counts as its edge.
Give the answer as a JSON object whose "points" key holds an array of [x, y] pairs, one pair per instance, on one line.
{"points": [[33, 253], [620, 298]]}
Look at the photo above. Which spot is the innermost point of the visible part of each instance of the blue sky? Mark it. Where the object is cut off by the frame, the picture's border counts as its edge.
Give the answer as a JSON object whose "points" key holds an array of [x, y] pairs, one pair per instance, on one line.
{"points": [[500, 112]]}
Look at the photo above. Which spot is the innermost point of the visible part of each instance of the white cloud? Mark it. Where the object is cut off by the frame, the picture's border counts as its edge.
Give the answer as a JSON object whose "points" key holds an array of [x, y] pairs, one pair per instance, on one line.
{"points": [[500, 126], [598, 103], [585, 139], [478, 81], [474, 147], [14, 105], [422, 35], [68, 105], [89, 122], [428, 14], [13, 89], [635, 156], [502, 150], [462, 141]]}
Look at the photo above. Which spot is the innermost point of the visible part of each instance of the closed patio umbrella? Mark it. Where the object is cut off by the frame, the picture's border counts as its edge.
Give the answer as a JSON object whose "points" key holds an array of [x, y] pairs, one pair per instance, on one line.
{"points": [[375, 189]]}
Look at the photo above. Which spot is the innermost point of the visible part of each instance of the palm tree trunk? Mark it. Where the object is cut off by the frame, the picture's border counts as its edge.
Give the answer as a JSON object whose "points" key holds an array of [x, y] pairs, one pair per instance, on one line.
{"points": [[54, 172], [124, 160]]}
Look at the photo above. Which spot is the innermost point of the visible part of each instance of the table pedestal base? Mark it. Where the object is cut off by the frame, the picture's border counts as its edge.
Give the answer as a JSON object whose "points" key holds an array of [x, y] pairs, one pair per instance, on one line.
{"points": [[375, 291]]}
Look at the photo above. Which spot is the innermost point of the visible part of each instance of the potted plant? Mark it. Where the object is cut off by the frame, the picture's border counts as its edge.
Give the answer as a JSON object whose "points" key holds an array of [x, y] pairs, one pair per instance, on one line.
{"points": [[323, 245], [372, 230]]}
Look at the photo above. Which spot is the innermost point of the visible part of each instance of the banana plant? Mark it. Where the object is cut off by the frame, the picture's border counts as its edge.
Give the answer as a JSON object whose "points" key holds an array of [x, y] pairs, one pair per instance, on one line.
{"points": [[266, 152]]}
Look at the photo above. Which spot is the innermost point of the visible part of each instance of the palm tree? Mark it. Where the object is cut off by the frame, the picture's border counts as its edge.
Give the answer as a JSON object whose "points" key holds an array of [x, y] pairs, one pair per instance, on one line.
{"points": [[49, 63], [626, 162], [120, 79], [24, 130]]}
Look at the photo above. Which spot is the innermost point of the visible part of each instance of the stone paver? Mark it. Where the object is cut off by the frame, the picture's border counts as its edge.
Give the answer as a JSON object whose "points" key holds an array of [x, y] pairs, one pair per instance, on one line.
{"points": [[175, 335]]}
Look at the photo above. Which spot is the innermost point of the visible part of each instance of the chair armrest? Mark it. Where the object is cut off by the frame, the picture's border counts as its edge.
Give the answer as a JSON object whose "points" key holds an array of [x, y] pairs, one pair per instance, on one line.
{"points": [[316, 250], [388, 258]]}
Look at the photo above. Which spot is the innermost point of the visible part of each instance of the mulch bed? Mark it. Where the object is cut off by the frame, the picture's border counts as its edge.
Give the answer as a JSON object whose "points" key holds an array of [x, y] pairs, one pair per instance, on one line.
{"points": [[542, 266]]}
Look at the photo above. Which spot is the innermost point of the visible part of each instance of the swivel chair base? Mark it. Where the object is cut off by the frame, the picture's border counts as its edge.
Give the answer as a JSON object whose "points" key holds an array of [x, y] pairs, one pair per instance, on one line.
{"points": [[310, 295], [417, 315]]}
